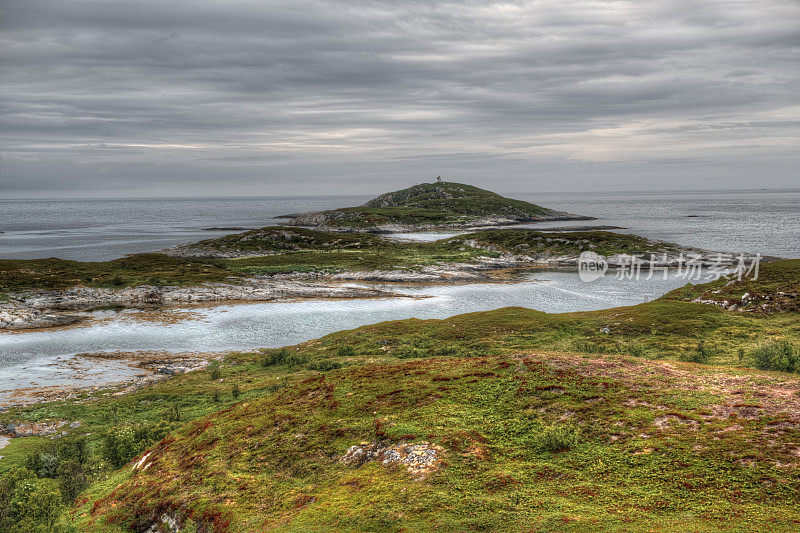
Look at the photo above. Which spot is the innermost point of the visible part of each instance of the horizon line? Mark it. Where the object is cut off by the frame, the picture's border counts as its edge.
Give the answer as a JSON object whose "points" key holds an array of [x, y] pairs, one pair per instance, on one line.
{"points": [[248, 197]]}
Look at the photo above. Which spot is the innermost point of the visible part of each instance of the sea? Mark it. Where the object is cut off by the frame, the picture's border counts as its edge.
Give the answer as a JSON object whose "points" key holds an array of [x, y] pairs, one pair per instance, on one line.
{"points": [[756, 221]]}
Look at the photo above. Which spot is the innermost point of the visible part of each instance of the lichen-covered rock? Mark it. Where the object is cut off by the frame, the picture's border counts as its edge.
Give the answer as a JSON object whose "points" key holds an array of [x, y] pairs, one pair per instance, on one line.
{"points": [[420, 459]]}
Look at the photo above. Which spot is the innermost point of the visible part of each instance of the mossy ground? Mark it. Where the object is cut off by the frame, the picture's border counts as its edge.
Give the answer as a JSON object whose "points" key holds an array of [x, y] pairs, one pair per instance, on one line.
{"points": [[662, 444], [523, 241], [280, 250], [342, 253]]}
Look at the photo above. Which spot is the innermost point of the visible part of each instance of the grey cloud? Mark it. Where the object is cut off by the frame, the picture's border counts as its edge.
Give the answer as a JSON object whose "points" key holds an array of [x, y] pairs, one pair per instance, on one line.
{"points": [[247, 95]]}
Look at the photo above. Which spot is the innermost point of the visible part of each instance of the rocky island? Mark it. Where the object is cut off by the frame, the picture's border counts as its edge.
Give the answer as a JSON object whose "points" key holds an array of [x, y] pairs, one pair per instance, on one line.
{"points": [[431, 206]]}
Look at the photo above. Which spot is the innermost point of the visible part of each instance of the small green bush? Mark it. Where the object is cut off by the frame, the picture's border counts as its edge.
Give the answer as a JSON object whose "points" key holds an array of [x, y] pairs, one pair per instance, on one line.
{"points": [[346, 351], [449, 351], [325, 365], [235, 391], [296, 359], [700, 355], [589, 347], [72, 479], [778, 355], [43, 464], [636, 350], [173, 413], [214, 372], [557, 438], [121, 444], [35, 502], [275, 357], [406, 351]]}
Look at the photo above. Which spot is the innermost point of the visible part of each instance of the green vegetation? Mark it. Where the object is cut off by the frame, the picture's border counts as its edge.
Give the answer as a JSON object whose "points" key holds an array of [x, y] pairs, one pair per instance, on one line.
{"points": [[141, 269], [521, 241], [777, 289], [279, 250], [279, 239], [302, 251], [782, 356], [428, 205], [535, 432]]}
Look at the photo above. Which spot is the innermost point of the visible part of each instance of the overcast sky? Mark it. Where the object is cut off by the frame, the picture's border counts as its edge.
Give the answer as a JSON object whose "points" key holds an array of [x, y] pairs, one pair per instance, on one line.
{"points": [[159, 98]]}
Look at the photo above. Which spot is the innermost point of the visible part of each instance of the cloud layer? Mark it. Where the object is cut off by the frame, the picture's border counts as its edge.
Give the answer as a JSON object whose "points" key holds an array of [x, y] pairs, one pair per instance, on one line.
{"points": [[198, 97]]}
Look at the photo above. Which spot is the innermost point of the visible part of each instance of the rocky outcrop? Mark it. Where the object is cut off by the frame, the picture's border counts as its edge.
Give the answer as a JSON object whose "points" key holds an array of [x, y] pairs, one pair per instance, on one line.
{"points": [[420, 459], [252, 289], [20, 316], [37, 429], [35, 309]]}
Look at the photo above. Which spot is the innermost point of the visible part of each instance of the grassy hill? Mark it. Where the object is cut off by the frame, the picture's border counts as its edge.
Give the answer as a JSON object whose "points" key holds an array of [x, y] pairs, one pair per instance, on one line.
{"points": [[777, 289], [660, 416], [431, 206]]}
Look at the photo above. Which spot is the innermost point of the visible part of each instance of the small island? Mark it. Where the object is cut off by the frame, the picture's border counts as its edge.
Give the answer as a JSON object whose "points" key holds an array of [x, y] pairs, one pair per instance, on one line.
{"points": [[430, 206]]}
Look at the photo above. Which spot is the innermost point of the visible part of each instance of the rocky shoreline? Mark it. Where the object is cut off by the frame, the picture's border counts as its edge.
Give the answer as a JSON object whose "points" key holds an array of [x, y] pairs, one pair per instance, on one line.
{"points": [[43, 309], [319, 222]]}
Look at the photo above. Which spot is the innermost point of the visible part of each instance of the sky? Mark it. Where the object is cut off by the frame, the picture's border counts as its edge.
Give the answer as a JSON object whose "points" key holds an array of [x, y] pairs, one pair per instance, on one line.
{"points": [[108, 98]]}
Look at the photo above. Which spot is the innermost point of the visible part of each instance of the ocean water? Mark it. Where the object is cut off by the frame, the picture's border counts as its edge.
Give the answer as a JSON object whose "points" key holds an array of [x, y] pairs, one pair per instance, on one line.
{"points": [[767, 222], [47, 357]]}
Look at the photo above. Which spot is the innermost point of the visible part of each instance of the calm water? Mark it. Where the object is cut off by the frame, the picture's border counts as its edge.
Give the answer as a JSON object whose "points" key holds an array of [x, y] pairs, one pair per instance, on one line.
{"points": [[94, 230], [46, 357]]}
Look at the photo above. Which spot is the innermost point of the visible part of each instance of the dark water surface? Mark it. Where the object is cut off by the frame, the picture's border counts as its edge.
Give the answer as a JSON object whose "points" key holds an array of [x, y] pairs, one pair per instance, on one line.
{"points": [[95, 230]]}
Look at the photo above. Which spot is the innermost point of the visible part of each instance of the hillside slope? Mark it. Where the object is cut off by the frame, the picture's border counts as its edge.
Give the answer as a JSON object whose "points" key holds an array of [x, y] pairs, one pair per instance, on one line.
{"points": [[506, 420], [431, 206]]}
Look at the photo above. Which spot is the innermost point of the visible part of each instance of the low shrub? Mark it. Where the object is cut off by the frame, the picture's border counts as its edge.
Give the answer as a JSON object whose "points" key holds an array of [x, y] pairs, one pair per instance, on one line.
{"points": [[284, 357], [636, 350], [346, 351], [589, 347], [557, 438], [449, 351], [121, 444], [173, 413], [325, 365], [406, 351], [701, 354], [296, 359], [214, 372], [777, 355], [35, 502]]}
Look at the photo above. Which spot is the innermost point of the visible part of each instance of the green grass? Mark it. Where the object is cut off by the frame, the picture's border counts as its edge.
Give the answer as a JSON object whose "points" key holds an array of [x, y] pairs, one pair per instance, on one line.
{"points": [[776, 289], [573, 243], [319, 251], [546, 422], [528, 445], [434, 204], [141, 269]]}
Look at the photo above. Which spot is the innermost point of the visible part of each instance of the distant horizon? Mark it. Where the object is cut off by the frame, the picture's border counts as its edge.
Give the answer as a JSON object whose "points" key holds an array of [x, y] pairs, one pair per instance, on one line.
{"points": [[507, 194]]}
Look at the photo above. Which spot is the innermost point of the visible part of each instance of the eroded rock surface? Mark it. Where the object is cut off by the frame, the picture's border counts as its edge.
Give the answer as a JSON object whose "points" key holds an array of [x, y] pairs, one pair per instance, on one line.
{"points": [[420, 459]]}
